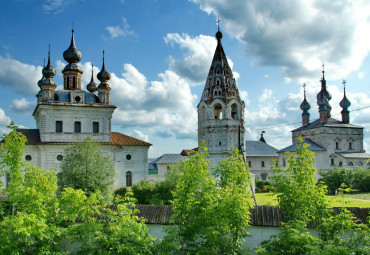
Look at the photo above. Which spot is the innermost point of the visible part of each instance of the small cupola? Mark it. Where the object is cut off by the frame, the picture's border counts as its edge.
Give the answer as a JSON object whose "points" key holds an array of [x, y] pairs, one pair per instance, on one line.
{"points": [[47, 84], [104, 88], [72, 72], [305, 106], [92, 87], [345, 104]]}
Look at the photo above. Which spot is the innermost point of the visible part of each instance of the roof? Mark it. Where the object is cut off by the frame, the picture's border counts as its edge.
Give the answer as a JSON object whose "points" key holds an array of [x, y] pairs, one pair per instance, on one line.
{"points": [[312, 146], [258, 148], [330, 123], [169, 158], [121, 139], [359, 155], [186, 152], [33, 138]]}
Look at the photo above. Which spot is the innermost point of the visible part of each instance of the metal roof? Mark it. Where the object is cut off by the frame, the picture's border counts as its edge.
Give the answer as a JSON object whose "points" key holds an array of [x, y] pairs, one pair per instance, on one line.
{"points": [[359, 155], [169, 158], [330, 123], [258, 148], [312, 146]]}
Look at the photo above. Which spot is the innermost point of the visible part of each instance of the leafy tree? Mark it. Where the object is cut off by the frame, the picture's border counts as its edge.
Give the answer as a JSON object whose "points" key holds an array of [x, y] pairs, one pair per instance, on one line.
{"points": [[210, 217], [40, 219], [301, 201], [361, 179], [84, 167], [143, 191], [335, 177]]}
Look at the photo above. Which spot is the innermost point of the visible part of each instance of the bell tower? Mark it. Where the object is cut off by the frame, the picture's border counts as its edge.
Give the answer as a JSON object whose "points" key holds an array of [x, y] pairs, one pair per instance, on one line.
{"points": [[220, 110]]}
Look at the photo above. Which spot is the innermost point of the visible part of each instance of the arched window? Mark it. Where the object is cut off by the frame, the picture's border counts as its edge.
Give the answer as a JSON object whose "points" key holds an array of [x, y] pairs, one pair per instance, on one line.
{"points": [[264, 177], [218, 111], [128, 179], [350, 163], [340, 163], [360, 163], [234, 112], [67, 82], [74, 82]]}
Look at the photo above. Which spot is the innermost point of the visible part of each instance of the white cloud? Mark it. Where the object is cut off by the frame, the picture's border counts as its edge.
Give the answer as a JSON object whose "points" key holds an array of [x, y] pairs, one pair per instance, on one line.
{"points": [[299, 35], [120, 30], [361, 75], [22, 105], [4, 122], [140, 135], [56, 6], [19, 76]]}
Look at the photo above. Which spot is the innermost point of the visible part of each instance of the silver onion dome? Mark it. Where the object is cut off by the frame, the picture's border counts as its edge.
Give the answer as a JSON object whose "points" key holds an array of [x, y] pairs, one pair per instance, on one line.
{"points": [[48, 71], [305, 106], [72, 54], [103, 76], [345, 103], [92, 87]]}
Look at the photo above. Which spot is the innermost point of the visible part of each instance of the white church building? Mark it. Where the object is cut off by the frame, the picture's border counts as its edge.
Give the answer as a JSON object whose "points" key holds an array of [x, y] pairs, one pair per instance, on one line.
{"points": [[66, 116]]}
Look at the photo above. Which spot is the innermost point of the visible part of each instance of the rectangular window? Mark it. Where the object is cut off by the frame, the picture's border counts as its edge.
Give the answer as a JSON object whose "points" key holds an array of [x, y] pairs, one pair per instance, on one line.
{"points": [[77, 127], [263, 163], [249, 163], [95, 127], [153, 171], [350, 146], [337, 145], [58, 126], [284, 162], [332, 162]]}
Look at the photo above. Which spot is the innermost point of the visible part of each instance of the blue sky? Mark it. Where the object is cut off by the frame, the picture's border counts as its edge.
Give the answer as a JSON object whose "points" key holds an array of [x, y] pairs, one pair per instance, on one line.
{"points": [[159, 52]]}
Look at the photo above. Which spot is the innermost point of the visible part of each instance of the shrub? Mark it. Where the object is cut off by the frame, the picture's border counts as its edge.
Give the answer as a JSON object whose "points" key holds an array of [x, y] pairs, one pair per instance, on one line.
{"points": [[335, 177], [120, 192], [143, 191], [361, 179]]}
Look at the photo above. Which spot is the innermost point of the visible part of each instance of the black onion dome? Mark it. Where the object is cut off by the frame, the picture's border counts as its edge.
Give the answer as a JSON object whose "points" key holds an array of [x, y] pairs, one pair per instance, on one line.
{"points": [[322, 101], [219, 35], [72, 54], [345, 103], [305, 106], [103, 75], [92, 87], [48, 71]]}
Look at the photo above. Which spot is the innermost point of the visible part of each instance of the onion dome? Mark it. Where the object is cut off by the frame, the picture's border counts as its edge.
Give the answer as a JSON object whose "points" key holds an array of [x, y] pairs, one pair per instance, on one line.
{"points": [[103, 76], [324, 90], [305, 106], [345, 103], [322, 102], [92, 87], [72, 54], [219, 35], [48, 71]]}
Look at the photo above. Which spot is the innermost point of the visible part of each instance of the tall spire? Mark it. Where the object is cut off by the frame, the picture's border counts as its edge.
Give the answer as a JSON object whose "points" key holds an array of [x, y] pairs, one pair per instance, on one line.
{"points": [[104, 88], [345, 103], [323, 98], [48, 71], [220, 83]]}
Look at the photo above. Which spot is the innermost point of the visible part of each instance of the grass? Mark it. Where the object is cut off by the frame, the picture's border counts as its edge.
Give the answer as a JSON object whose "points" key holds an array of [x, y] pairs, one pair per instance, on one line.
{"points": [[354, 200]]}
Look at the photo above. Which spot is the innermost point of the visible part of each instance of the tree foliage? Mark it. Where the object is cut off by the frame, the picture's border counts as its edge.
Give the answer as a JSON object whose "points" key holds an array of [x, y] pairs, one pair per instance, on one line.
{"points": [[210, 217], [84, 167], [335, 177], [41, 220], [301, 201]]}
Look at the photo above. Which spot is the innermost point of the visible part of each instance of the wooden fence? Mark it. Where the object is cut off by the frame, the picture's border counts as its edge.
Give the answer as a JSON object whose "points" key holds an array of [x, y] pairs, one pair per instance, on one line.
{"points": [[260, 216]]}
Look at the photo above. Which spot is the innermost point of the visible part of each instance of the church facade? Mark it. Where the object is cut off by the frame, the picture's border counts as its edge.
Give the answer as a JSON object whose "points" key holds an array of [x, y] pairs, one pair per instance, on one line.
{"points": [[336, 143], [72, 114]]}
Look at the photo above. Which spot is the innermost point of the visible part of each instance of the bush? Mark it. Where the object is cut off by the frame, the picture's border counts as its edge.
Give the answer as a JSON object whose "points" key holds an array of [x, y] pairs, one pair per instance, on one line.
{"points": [[335, 177], [120, 192], [143, 192], [262, 186], [361, 179]]}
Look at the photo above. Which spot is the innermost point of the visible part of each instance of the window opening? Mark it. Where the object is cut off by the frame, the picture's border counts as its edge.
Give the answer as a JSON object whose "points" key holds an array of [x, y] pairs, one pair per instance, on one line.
{"points": [[128, 179], [74, 82], [95, 127], [77, 127], [263, 163], [59, 126]]}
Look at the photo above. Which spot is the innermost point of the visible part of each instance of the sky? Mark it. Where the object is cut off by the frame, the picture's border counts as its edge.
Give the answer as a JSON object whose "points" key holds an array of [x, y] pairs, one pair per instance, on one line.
{"points": [[158, 53]]}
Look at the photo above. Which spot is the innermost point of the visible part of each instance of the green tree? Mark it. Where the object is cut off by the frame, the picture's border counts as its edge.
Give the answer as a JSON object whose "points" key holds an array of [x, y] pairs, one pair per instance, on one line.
{"points": [[41, 220], [361, 179], [84, 167], [335, 177], [301, 201], [210, 217]]}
